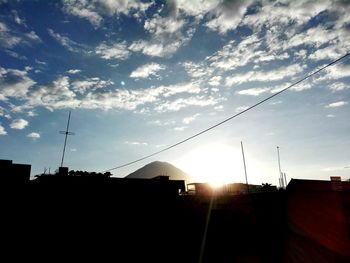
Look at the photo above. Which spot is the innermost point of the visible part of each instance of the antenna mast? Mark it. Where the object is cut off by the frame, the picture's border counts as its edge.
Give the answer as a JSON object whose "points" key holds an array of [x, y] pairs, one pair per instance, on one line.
{"points": [[245, 168], [279, 167], [66, 133]]}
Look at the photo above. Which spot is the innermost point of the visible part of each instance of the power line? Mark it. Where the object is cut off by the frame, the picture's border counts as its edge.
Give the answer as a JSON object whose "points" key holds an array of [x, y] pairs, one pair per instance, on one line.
{"points": [[232, 117]]}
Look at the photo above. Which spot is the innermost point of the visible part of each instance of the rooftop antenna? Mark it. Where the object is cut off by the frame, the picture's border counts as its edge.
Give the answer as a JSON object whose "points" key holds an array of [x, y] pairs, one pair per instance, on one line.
{"points": [[279, 166], [245, 168], [285, 179], [66, 133]]}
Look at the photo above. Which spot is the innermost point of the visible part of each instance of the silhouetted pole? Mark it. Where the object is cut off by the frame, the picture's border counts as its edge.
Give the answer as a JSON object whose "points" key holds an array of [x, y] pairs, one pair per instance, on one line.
{"points": [[279, 166], [66, 133], [285, 178], [245, 168]]}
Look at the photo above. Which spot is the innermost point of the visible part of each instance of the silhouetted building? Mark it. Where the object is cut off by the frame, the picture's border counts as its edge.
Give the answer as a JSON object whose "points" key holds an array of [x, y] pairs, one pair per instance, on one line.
{"points": [[142, 220], [318, 216], [63, 171], [117, 186], [161, 177], [227, 189], [14, 172]]}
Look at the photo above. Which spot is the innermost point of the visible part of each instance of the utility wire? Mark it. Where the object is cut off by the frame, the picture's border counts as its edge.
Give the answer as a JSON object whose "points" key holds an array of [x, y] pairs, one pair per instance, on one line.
{"points": [[232, 117]]}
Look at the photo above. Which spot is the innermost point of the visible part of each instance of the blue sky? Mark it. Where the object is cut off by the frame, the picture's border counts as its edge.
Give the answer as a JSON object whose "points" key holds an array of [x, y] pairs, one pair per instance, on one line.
{"points": [[139, 76]]}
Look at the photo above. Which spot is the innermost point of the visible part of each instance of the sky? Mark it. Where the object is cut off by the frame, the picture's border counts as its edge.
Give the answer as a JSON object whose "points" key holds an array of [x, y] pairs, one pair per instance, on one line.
{"points": [[139, 76]]}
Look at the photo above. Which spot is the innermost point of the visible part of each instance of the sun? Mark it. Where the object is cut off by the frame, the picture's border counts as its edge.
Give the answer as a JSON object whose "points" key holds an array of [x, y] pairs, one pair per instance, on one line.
{"points": [[216, 164]]}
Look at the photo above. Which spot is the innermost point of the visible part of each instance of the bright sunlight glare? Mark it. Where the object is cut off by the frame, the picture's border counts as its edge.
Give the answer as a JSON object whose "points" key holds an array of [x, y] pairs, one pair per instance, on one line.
{"points": [[216, 164]]}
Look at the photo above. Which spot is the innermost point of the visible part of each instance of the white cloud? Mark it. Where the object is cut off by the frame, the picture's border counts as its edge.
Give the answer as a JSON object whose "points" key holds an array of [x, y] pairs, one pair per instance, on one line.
{"points": [[164, 47], [264, 56], [302, 86], [57, 95], [253, 91], [131, 99], [180, 128], [215, 81], [93, 11], [15, 55], [66, 41], [189, 87], [119, 99], [74, 71], [190, 119], [16, 18], [136, 143], [265, 76], [7, 39], [159, 26], [19, 124], [196, 70], [280, 87], [114, 51], [11, 37], [330, 116], [2, 130], [83, 10], [32, 113], [40, 62], [337, 72], [167, 35], [4, 112], [228, 15], [181, 103], [234, 55], [241, 108], [33, 36], [219, 108], [163, 123], [275, 102], [14, 83], [301, 54], [329, 52], [90, 84], [34, 136], [284, 23], [147, 70], [315, 36], [338, 86], [126, 7], [274, 13], [335, 43], [197, 8], [63, 92], [336, 104]]}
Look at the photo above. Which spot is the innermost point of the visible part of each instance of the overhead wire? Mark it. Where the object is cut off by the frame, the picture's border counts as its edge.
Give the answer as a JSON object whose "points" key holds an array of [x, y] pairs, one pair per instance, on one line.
{"points": [[231, 117]]}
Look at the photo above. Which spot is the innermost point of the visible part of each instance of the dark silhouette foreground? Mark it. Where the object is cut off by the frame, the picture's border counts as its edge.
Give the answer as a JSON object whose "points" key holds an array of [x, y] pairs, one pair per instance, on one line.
{"points": [[98, 218]]}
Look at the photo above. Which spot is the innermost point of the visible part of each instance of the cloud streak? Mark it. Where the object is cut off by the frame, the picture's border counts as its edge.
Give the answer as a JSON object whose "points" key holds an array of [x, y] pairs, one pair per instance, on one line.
{"points": [[337, 104], [66, 41]]}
